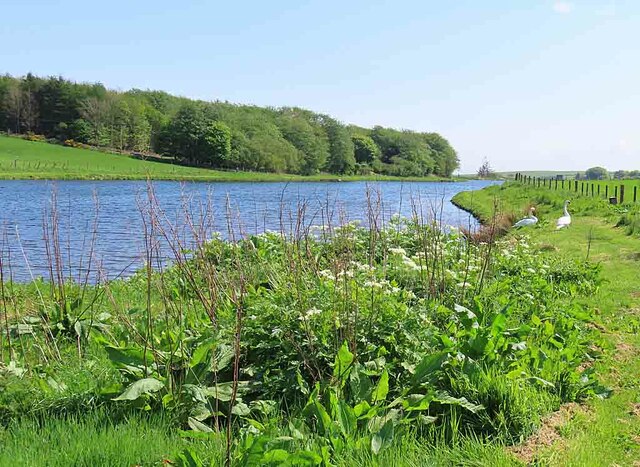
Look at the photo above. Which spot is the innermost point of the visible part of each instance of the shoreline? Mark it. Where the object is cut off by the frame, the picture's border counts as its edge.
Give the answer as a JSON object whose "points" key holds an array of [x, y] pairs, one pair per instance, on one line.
{"points": [[22, 159], [460, 201], [466, 209], [239, 177]]}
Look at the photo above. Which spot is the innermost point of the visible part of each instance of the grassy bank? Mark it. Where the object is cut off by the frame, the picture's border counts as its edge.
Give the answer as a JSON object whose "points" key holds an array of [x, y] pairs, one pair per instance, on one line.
{"points": [[396, 345], [600, 432], [23, 160], [516, 198]]}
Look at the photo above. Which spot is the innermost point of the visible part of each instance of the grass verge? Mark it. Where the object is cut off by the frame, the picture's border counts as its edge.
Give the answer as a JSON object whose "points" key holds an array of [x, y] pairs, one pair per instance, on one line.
{"points": [[607, 431]]}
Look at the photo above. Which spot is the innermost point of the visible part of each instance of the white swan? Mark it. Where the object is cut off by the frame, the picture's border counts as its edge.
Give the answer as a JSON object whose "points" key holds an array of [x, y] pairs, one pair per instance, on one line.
{"points": [[564, 221], [527, 221]]}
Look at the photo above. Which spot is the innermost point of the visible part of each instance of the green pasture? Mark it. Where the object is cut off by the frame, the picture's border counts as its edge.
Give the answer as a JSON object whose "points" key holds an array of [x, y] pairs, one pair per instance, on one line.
{"points": [[21, 159]]}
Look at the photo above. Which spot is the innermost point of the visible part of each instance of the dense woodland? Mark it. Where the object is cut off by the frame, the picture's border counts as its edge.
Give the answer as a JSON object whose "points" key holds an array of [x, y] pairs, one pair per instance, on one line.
{"points": [[215, 134]]}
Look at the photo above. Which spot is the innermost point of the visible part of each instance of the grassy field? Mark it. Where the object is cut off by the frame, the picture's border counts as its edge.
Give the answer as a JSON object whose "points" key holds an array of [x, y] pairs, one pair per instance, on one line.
{"points": [[600, 432], [594, 189], [539, 173], [21, 159], [515, 199]]}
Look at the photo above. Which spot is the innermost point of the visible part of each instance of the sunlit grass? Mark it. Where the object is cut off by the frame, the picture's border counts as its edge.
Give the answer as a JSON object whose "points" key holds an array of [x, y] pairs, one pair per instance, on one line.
{"points": [[21, 159], [96, 439], [608, 432]]}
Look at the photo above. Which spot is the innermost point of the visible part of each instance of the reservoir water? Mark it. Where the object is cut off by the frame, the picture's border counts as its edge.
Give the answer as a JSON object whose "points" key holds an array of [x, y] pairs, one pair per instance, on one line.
{"points": [[105, 220]]}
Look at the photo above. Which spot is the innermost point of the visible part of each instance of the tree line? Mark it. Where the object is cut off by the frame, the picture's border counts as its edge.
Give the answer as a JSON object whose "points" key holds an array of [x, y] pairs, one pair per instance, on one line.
{"points": [[215, 134], [600, 173]]}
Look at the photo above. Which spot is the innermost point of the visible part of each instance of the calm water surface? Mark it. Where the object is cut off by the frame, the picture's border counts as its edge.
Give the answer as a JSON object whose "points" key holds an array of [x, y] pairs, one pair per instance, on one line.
{"points": [[25, 209]]}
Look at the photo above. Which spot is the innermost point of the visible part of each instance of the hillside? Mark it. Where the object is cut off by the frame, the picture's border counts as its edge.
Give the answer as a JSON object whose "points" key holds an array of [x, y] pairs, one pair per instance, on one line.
{"points": [[21, 159], [217, 135]]}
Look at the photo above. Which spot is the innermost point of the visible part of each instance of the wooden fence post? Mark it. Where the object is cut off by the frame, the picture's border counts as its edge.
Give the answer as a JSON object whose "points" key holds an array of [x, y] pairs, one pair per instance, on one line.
{"points": [[576, 188], [621, 194], [606, 191], [598, 189], [615, 192], [635, 193]]}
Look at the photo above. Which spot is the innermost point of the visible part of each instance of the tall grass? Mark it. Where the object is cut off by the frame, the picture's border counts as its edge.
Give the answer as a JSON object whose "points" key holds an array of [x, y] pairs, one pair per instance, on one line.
{"points": [[322, 341], [97, 439]]}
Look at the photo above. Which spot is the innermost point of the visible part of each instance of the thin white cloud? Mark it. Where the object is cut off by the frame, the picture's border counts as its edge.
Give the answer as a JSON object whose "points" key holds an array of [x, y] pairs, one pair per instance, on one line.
{"points": [[623, 145], [563, 7], [607, 10]]}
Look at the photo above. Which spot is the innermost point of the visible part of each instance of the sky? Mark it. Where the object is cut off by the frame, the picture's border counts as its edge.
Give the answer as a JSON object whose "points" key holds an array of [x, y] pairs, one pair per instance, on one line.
{"points": [[528, 85]]}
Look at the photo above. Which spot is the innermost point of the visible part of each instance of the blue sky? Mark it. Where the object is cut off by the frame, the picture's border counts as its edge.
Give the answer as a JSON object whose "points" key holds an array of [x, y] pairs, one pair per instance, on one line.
{"points": [[528, 84]]}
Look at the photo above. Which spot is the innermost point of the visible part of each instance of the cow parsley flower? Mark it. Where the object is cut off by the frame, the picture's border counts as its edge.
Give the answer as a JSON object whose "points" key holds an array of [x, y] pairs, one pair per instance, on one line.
{"points": [[326, 274]]}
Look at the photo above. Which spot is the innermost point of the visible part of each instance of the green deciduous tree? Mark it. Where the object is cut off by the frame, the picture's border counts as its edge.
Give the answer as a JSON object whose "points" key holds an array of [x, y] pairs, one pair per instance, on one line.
{"points": [[218, 141], [597, 173], [216, 134], [184, 137], [446, 158], [297, 127], [119, 120], [80, 130], [95, 112], [365, 149], [341, 156]]}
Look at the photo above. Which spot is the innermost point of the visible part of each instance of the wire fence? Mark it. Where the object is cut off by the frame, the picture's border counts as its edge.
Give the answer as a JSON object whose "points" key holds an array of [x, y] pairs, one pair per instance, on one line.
{"points": [[615, 191]]}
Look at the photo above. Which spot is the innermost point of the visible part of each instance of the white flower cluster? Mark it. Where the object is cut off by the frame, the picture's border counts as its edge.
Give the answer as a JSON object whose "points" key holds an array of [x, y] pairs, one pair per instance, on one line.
{"points": [[354, 268], [383, 285], [411, 264], [346, 273], [310, 313], [407, 262], [362, 267], [348, 226], [326, 274]]}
